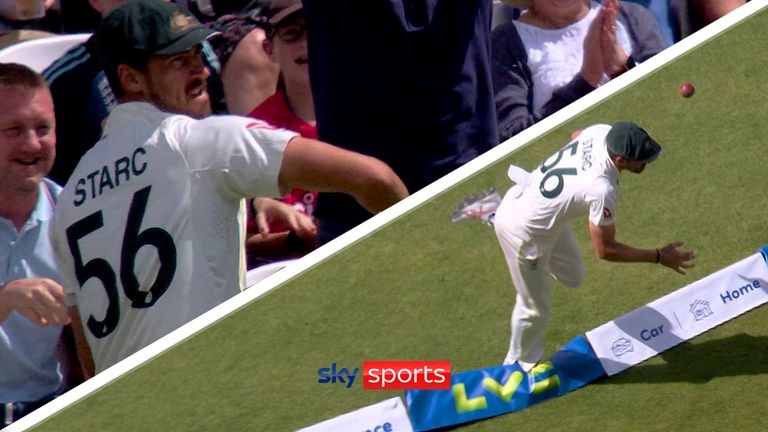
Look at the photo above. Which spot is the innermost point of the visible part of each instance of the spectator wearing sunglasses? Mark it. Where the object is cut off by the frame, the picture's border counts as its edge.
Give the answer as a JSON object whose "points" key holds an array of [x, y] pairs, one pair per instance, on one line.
{"points": [[290, 107]]}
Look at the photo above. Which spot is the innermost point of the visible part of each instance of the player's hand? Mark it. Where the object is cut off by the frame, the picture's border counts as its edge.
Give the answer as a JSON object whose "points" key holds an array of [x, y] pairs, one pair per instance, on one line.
{"points": [[678, 260], [41, 300], [270, 212]]}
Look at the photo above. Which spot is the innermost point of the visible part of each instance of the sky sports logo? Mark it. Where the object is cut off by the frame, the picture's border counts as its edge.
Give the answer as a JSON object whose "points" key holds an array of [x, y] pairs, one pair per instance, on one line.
{"points": [[391, 375]]}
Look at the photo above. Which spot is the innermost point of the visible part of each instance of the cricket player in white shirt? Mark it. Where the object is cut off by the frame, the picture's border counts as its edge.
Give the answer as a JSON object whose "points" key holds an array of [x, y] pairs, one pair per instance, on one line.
{"points": [[532, 224], [149, 230]]}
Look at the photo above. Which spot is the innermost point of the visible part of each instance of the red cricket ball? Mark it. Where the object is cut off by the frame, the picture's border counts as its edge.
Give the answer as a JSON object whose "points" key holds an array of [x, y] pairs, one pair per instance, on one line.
{"points": [[686, 89]]}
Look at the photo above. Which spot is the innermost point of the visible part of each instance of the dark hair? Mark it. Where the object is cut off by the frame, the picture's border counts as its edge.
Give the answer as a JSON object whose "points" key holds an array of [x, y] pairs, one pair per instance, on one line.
{"points": [[113, 78], [15, 76]]}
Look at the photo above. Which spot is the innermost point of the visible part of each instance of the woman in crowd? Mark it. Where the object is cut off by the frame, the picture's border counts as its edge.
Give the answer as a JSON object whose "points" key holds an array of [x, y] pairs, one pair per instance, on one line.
{"points": [[559, 50]]}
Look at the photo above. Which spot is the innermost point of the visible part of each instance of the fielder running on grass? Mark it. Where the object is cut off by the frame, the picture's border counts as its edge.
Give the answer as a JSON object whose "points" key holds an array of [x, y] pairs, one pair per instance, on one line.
{"points": [[532, 224]]}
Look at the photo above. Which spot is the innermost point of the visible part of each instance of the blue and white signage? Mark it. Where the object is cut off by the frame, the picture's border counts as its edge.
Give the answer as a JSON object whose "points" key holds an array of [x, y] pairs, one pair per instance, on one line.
{"points": [[385, 416], [681, 315], [492, 391]]}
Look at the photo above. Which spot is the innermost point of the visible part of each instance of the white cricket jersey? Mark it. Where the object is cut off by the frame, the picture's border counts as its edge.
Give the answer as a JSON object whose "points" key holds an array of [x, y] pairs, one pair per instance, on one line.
{"points": [[579, 179], [149, 229]]}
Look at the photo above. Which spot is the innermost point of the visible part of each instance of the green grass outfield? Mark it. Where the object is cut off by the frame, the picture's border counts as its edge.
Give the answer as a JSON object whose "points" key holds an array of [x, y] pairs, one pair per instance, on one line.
{"points": [[424, 288]]}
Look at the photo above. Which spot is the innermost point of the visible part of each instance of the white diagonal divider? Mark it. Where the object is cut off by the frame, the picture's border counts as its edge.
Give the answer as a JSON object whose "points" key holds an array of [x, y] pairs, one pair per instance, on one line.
{"points": [[485, 160]]}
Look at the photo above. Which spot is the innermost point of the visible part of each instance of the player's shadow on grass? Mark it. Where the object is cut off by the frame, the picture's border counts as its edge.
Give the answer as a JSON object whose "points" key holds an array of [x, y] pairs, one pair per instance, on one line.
{"points": [[740, 354]]}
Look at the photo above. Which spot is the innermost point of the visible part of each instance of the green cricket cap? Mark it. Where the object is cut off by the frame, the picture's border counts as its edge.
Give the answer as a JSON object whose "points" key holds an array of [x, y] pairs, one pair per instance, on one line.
{"points": [[138, 29], [630, 141]]}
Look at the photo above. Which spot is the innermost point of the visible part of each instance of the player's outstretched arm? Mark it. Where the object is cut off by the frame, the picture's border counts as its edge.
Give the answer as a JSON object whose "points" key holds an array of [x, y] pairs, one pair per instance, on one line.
{"points": [[608, 248], [315, 165], [678, 260]]}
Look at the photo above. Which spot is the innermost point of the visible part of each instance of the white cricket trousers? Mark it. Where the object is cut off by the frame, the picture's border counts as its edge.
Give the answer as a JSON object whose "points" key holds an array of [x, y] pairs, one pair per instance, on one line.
{"points": [[533, 260]]}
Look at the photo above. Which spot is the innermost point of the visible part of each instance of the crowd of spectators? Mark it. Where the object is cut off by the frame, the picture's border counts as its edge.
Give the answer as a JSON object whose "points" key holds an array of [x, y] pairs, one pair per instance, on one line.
{"points": [[423, 86]]}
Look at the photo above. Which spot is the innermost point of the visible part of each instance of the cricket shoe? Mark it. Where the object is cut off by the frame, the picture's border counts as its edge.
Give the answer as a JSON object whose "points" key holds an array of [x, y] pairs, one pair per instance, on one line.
{"points": [[525, 366], [481, 207]]}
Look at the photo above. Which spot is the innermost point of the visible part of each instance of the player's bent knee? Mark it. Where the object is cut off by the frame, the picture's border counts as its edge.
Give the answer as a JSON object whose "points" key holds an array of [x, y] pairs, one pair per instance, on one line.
{"points": [[574, 279]]}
